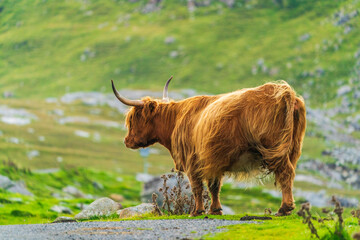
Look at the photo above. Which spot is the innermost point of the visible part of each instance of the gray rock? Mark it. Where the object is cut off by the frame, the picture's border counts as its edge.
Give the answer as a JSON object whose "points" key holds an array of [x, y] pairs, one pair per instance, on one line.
{"points": [[227, 210], [144, 177], [319, 72], [342, 18], [19, 187], [347, 29], [14, 187], [137, 210], [98, 185], [174, 54], [5, 182], [354, 13], [16, 116], [169, 40], [357, 54], [82, 206], [8, 94], [81, 133], [100, 207], [317, 199], [51, 100], [304, 37], [151, 6], [74, 192], [229, 3], [191, 6], [343, 90], [33, 153], [309, 179], [64, 220], [61, 209]]}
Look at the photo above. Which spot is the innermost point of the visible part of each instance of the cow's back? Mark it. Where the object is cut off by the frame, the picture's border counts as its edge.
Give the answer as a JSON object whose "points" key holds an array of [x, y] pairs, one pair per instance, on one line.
{"points": [[241, 124]]}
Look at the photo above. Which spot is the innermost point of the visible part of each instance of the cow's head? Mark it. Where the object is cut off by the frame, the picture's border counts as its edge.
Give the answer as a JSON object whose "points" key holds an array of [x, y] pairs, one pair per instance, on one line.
{"points": [[140, 120]]}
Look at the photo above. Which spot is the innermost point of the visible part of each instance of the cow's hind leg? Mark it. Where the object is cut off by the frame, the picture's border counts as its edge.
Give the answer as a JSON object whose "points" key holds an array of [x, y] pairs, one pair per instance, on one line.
{"points": [[214, 186], [284, 176], [197, 189]]}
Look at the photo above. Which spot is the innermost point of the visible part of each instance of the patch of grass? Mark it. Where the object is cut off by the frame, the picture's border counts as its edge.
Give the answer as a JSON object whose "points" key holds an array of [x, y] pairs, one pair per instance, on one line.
{"points": [[36, 209], [286, 228]]}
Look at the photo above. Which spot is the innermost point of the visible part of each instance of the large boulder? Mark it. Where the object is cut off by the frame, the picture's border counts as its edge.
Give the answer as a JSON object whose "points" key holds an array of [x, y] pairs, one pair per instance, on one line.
{"points": [[136, 211], [100, 207]]}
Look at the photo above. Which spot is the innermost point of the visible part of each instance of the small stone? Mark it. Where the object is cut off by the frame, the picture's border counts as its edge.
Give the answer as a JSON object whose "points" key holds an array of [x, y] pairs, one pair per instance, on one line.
{"points": [[61, 209], [229, 3], [347, 29], [304, 37], [81, 133], [227, 210], [8, 94], [64, 219], [343, 90], [32, 154], [169, 40], [174, 54], [19, 187], [5, 182], [137, 210], [74, 191], [100, 207], [98, 185]]}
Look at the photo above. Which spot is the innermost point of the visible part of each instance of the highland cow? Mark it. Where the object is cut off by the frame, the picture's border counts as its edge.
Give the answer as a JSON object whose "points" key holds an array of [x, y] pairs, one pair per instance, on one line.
{"points": [[244, 133]]}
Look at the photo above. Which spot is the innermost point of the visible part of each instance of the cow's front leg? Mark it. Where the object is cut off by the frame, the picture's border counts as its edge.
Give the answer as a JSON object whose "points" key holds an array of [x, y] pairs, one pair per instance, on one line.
{"points": [[214, 186], [197, 189], [285, 177]]}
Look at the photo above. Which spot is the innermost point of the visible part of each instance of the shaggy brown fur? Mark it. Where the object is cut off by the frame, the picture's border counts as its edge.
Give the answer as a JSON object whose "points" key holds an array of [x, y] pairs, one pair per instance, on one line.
{"points": [[245, 133]]}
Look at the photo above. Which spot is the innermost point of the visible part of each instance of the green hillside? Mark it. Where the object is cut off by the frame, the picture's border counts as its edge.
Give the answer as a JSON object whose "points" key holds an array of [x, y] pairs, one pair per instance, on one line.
{"points": [[50, 51], [48, 48]]}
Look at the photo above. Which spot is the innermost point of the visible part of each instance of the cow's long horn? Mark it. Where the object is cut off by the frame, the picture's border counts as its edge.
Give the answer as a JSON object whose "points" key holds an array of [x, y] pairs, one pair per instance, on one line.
{"points": [[125, 100], [165, 92]]}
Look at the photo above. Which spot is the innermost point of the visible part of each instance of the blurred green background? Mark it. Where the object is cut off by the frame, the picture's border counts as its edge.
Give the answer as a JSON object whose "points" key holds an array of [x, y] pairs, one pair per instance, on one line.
{"points": [[58, 115]]}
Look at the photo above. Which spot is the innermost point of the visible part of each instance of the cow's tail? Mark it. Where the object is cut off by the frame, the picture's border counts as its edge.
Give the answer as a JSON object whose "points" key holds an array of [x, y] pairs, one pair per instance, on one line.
{"points": [[277, 156]]}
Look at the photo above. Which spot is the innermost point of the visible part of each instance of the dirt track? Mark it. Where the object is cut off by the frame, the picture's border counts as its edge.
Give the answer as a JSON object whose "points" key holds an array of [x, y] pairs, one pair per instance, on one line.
{"points": [[145, 229]]}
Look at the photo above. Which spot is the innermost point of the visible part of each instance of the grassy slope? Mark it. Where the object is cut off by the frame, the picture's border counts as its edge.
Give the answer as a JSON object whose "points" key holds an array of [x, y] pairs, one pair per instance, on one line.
{"points": [[41, 58], [108, 153]]}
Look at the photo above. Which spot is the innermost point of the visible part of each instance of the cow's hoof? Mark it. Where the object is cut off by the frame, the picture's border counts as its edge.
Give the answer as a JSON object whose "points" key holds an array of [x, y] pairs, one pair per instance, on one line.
{"points": [[216, 212], [282, 213], [197, 213], [285, 211]]}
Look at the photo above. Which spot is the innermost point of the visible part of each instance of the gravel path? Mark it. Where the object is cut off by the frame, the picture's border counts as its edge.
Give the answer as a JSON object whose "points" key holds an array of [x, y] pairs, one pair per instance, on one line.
{"points": [[146, 229]]}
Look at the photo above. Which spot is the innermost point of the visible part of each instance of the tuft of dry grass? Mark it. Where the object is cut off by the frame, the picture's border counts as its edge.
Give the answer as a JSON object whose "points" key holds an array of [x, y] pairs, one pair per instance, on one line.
{"points": [[176, 202], [305, 213]]}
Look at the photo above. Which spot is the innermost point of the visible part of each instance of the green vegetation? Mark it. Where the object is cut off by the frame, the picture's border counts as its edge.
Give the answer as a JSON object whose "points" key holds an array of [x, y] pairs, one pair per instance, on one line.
{"points": [[287, 228], [18, 209], [50, 48], [82, 45]]}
